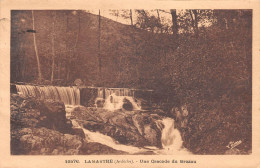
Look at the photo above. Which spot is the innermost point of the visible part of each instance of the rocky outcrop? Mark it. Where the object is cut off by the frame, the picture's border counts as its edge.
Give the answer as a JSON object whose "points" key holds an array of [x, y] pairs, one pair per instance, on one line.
{"points": [[88, 96], [40, 127], [31, 112], [43, 141], [137, 128]]}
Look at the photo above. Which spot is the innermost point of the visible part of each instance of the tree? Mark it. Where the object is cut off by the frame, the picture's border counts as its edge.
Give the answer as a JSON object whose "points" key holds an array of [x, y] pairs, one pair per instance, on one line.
{"points": [[74, 51], [174, 24], [148, 22], [53, 48], [36, 50], [99, 41], [131, 17], [115, 13], [194, 19], [159, 20]]}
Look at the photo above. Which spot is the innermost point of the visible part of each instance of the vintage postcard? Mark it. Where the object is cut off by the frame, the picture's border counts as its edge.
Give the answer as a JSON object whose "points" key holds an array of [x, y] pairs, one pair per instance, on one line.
{"points": [[130, 84]]}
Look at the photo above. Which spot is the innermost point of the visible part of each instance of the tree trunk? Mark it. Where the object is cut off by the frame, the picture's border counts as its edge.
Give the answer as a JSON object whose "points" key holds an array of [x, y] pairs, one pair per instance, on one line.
{"points": [[159, 18], [135, 47], [174, 23], [36, 50], [74, 50], [68, 73], [68, 62], [20, 69], [99, 41], [194, 20], [195, 12], [53, 48], [59, 69], [131, 17], [23, 62]]}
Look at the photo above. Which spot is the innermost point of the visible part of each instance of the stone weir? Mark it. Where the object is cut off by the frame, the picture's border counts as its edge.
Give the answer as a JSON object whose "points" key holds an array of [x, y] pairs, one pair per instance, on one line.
{"points": [[73, 95]]}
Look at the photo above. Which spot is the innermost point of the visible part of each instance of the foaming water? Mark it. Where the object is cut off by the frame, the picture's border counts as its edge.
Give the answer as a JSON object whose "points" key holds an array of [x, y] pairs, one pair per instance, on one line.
{"points": [[105, 92], [108, 141], [114, 102], [171, 139]]}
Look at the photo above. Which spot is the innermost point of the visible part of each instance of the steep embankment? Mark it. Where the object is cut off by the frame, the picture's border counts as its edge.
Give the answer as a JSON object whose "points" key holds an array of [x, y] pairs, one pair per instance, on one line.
{"points": [[127, 56]]}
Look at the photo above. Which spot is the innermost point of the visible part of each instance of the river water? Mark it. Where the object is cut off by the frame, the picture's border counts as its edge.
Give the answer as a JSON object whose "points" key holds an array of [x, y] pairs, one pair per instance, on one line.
{"points": [[171, 137], [114, 99]]}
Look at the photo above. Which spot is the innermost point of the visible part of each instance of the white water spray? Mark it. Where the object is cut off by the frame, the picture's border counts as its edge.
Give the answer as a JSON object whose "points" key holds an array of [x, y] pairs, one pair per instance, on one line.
{"points": [[108, 141], [171, 139], [114, 102]]}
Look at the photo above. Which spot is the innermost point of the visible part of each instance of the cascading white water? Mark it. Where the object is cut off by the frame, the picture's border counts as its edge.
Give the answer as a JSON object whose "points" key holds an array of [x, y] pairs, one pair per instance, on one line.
{"points": [[115, 99], [106, 92], [114, 102], [108, 141], [68, 95], [171, 139]]}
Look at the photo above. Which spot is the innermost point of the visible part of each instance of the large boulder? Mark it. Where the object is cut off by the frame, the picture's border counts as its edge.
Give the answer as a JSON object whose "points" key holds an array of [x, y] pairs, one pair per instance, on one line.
{"points": [[35, 141], [88, 96], [127, 127], [41, 127], [127, 105], [55, 116], [31, 112]]}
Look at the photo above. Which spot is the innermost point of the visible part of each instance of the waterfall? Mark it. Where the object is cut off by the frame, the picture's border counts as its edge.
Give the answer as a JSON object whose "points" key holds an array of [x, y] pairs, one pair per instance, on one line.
{"points": [[114, 102], [106, 92], [171, 139], [68, 95]]}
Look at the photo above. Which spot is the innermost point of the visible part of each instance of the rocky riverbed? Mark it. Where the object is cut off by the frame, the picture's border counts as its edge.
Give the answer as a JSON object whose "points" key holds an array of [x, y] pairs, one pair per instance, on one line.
{"points": [[40, 127], [136, 128]]}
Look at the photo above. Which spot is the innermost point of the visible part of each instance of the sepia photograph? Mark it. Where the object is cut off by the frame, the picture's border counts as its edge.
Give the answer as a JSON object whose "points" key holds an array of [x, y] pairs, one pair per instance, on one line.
{"points": [[131, 82]]}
